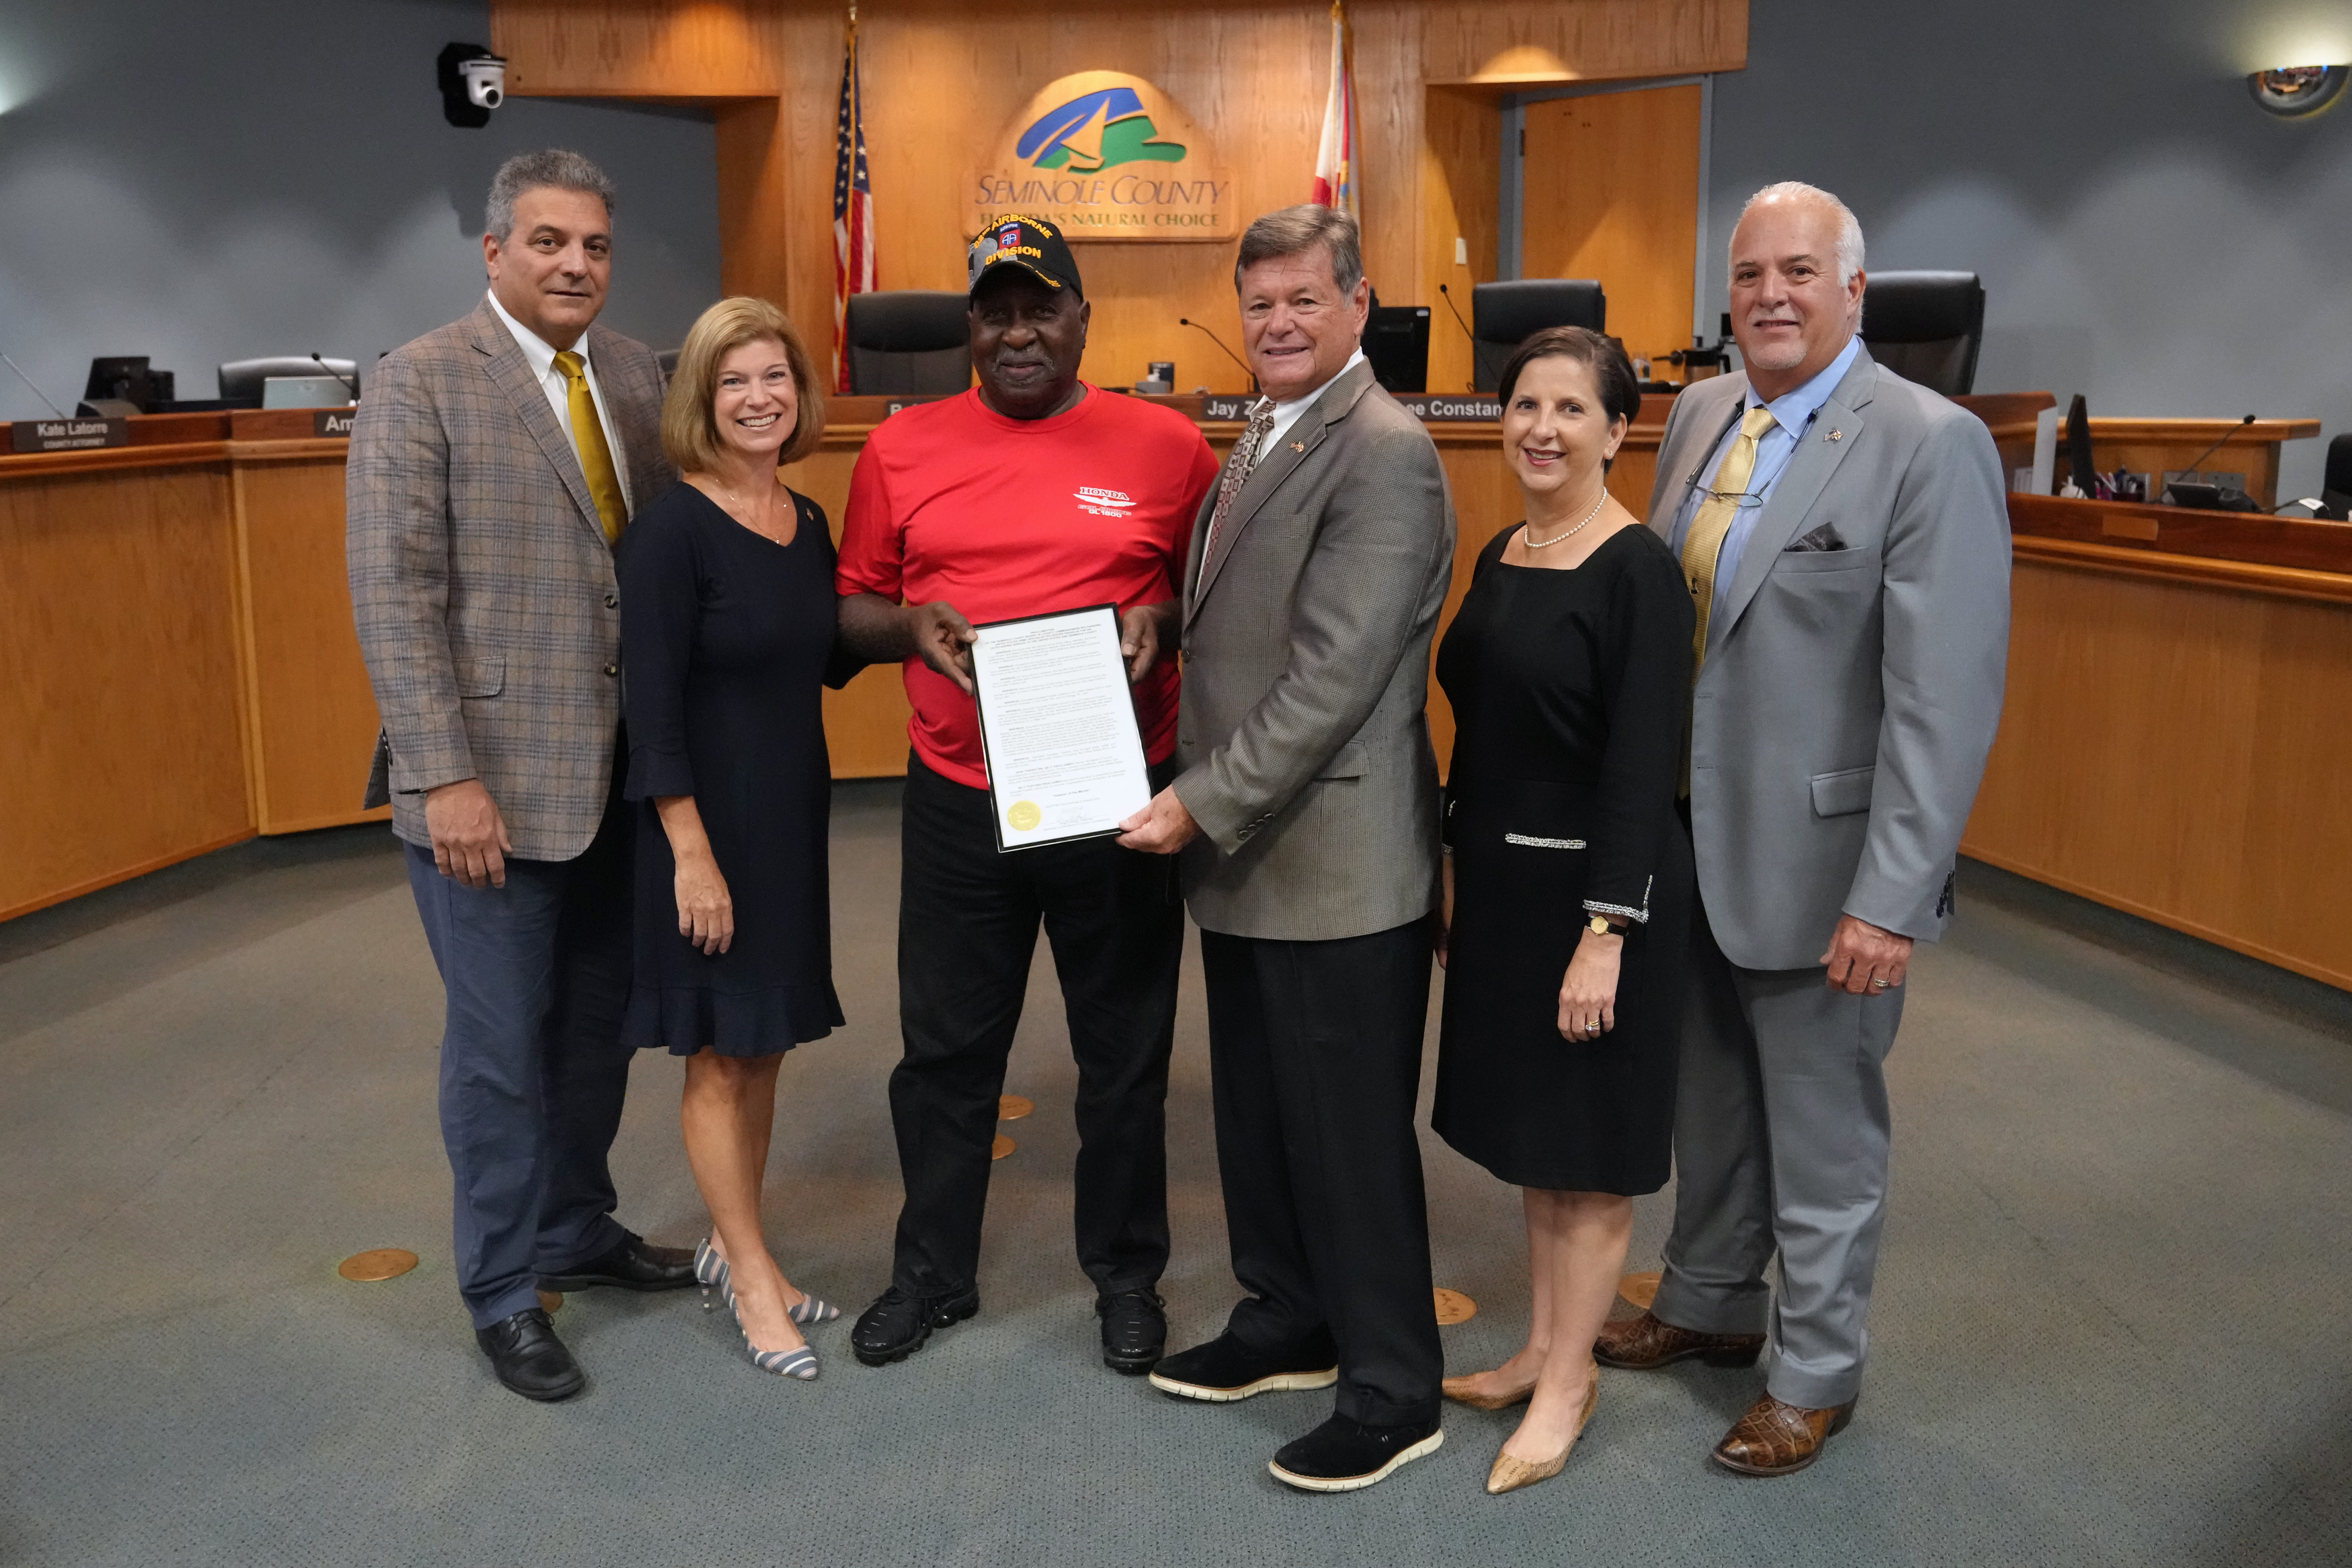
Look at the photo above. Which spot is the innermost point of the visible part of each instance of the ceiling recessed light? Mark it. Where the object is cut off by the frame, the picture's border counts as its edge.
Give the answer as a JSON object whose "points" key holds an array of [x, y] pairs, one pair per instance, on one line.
{"points": [[2298, 90]]}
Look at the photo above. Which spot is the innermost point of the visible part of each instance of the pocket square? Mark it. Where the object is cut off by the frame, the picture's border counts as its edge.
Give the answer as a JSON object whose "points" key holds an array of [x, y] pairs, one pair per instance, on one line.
{"points": [[1822, 538]]}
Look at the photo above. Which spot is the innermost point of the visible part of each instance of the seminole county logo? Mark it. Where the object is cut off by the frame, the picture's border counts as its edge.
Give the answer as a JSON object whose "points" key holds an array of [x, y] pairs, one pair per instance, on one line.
{"points": [[1094, 131], [1104, 155]]}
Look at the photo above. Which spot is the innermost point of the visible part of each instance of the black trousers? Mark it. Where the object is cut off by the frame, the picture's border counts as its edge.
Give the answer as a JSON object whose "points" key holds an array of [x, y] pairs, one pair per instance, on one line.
{"points": [[968, 918], [1316, 1052]]}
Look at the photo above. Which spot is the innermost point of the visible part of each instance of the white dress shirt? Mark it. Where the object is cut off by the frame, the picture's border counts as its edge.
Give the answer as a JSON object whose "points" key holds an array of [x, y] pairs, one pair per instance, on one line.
{"points": [[1285, 414], [1791, 412], [541, 355]]}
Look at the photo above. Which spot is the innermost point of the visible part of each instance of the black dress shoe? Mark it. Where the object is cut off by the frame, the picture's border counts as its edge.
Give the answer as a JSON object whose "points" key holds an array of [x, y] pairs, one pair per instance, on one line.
{"points": [[1134, 1330], [1226, 1369], [1344, 1455], [897, 1324], [528, 1358], [632, 1263]]}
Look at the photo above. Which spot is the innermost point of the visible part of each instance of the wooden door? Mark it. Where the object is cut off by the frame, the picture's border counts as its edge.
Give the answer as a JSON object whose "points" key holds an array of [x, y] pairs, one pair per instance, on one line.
{"points": [[1610, 190]]}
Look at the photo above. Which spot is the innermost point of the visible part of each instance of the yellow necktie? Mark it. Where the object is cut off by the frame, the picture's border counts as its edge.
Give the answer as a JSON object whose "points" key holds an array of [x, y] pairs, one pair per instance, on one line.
{"points": [[596, 457], [1703, 546]]}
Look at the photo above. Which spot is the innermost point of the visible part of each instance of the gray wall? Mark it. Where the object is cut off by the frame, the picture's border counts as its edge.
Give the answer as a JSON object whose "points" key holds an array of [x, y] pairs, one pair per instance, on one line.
{"points": [[2147, 235], [204, 182]]}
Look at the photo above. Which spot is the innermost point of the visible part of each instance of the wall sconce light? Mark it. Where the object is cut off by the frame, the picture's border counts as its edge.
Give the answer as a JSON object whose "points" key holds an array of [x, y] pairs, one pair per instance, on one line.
{"points": [[2294, 90]]}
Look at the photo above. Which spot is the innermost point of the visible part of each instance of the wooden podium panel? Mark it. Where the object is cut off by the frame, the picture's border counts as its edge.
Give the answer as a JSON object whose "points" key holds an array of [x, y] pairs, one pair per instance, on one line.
{"points": [[2168, 747], [311, 713], [121, 695]]}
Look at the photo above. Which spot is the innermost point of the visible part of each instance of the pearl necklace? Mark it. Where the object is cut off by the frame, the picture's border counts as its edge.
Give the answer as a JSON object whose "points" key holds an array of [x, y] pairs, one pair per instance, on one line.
{"points": [[1535, 543]]}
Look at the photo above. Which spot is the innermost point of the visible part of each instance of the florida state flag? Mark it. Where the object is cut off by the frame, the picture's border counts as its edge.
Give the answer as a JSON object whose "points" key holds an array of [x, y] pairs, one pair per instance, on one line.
{"points": [[1335, 160]]}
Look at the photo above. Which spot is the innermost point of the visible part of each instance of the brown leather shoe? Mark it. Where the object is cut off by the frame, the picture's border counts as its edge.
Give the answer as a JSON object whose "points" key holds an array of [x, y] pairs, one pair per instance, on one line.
{"points": [[1643, 1343], [1780, 1439]]}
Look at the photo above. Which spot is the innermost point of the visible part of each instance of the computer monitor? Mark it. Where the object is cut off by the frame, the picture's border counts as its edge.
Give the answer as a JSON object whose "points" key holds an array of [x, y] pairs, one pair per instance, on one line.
{"points": [[305, 392], [1396, 342], [127, 378]]}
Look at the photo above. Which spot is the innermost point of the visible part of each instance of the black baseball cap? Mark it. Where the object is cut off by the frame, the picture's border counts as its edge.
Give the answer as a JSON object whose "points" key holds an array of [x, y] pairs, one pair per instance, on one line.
{"points": [[1031, 244]]}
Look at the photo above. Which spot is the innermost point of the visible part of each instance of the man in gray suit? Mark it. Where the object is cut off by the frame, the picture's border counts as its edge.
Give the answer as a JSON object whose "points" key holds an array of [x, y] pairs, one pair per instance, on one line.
{"points": [[1308, 802], [493, 463], [1845, 536]]}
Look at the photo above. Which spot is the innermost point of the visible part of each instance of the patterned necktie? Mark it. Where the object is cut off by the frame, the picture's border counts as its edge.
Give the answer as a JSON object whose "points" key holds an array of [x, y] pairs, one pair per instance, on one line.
{"points": [[588, 439], [1703, 546], [1238, 468]]}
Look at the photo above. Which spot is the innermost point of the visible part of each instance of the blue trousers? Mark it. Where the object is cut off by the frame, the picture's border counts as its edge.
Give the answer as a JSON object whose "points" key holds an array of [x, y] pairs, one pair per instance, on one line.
{"points": [[532, 1070]]}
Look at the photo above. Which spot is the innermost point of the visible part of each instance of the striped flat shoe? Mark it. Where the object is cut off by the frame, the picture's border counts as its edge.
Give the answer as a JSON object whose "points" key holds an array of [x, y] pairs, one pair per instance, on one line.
{"points": [[710, 1273], [812, 1310]]}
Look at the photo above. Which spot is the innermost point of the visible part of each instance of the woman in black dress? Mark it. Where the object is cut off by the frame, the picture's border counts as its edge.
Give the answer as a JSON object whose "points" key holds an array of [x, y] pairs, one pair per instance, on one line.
{"points": [[1569, 877], [727, 626]]}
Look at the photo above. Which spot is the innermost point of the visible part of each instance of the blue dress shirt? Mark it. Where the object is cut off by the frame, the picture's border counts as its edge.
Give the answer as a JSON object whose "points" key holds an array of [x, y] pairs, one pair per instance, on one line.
{"points": [[1791, 412]]}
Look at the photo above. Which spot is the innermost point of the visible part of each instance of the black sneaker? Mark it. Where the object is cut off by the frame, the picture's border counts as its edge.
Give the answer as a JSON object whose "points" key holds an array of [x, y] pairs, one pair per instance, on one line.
{"points": [[1134, 1330], [1226, 1369], [1344, 1455], [896, 1326]]}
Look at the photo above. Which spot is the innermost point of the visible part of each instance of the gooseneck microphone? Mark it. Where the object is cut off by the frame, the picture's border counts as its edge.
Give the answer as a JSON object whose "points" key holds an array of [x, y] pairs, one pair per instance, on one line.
{"points": [[2234, 429], [1478, 359], [353, 385], [28, 381], [1188, 322]]}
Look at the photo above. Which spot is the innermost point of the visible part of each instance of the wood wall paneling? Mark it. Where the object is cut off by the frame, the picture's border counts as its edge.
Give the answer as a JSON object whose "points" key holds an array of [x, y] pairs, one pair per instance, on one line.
{"points": [[942, 76], [1461, 156], [1611, 191], [121, 688]]}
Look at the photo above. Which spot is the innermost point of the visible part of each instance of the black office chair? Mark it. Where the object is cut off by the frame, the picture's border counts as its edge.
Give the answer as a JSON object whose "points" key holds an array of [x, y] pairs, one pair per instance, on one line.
{"points": [[909, 342], [1505, 315], [241, 379], [2335, 484], [667, 359], [1925, 327]]}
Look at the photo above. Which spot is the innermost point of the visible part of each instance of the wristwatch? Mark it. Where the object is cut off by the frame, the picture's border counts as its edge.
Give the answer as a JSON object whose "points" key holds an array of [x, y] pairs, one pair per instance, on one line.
{"points": [[1601, 925]]}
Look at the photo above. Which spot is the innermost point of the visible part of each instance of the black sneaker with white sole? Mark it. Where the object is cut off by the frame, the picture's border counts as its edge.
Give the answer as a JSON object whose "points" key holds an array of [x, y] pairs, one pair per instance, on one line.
{"points": [[1344, 1455], [1226, 1369]]}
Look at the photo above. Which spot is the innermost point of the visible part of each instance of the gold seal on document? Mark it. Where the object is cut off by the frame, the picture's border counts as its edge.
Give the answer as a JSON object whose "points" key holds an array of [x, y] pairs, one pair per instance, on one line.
{"points": [[1023, 816]]}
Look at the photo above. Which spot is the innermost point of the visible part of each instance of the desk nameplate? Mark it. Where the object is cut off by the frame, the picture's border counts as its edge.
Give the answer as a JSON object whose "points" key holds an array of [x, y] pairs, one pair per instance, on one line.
{"points": [[68, 435], [329, 422], [1430, 408]]}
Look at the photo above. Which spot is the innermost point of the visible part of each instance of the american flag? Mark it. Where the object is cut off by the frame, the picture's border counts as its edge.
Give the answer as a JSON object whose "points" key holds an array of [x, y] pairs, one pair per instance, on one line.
{"points": [[853, 211], [1335, 156]]}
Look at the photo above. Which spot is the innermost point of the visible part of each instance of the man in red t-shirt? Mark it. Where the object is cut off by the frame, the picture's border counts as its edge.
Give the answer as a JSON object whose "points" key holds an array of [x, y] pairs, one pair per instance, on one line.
{"points": [[1031, 494]]}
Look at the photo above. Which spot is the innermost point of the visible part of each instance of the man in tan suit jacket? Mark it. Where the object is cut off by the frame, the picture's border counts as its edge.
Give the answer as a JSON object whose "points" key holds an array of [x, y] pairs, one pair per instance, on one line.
{"points": [[493, 462], [1308, 802]]}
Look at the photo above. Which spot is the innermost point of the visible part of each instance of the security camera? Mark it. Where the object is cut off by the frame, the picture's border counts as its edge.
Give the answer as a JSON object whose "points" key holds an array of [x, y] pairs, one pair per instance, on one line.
{"points": [[473, 83], [486, 80]]}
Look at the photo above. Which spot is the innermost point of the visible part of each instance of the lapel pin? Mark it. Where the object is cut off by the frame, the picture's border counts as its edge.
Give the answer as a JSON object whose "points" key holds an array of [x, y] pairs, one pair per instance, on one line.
{"points": [[1298, 446], [1837, 436]]}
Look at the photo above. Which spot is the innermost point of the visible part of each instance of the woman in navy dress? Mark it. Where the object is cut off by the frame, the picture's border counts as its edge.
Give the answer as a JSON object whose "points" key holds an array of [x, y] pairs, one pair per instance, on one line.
{"points": [[727, 631], [1569, 876]]}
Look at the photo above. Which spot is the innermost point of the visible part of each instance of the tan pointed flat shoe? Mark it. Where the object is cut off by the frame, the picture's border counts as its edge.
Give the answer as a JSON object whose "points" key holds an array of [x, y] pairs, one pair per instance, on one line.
{"points": [[1510, 1472], [1458, 1389]]}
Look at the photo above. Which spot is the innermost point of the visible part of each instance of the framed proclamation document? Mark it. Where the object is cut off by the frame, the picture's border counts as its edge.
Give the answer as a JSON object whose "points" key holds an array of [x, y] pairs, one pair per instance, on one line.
{"points": [[1057, 727]]}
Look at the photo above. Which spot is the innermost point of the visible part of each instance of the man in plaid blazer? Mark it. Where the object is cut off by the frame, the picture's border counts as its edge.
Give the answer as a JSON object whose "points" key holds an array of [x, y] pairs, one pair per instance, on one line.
{"points": [[493, 462]]}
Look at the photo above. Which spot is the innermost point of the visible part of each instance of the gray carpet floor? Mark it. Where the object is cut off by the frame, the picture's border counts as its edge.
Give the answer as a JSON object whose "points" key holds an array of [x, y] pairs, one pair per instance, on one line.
{"points": [[2111, 1324]]}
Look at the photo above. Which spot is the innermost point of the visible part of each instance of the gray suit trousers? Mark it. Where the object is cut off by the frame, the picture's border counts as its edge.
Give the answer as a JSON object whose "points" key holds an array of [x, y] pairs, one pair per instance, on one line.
{"points": [[1780, 1138]]}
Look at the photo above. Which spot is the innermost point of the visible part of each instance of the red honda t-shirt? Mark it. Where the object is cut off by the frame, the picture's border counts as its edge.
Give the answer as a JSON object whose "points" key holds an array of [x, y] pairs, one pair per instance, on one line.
{"points": [[1005, 518]]}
